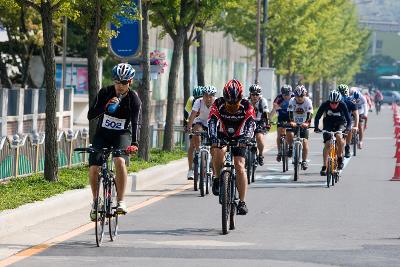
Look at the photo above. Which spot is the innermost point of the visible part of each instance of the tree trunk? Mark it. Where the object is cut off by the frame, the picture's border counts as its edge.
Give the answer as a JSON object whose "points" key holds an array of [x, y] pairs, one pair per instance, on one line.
{"points": [[186, 69], [93, 65], [144, 90], [51, 157], [200, 58], [172, 83]]}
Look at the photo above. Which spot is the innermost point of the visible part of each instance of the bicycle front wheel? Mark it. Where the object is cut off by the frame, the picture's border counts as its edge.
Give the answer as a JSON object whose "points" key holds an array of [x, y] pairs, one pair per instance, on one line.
{"points": [[355, 143], [296, 161], [249, 165], [329, 173], [113, 218], [203, 173], [225, 200], [284, 155], [100, 210], [196, 171]]}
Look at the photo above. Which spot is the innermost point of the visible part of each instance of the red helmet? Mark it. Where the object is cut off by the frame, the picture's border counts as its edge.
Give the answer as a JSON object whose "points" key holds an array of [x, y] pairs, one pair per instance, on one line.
{"points": [[233, 91]]}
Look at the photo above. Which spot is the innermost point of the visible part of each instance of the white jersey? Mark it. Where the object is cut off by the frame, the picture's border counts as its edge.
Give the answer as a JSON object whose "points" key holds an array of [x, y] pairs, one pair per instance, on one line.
{"points": [[202, 110], [361, 104], [300, 110], [260, 107]]}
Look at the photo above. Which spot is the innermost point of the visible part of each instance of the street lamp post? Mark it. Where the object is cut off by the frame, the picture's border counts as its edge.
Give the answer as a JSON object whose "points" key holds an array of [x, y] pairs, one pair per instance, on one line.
{"points": [[264, 35]]}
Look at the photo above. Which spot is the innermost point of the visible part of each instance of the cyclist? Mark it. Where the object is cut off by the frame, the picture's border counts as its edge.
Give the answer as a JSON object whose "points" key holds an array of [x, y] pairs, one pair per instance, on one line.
{"points": [[352, 108], [196, 94], [378, 98], [232, 117], [362, 106], [300, 113], [280, 106], [261, 110], [117, 129], [199, 115], [336, 118]]}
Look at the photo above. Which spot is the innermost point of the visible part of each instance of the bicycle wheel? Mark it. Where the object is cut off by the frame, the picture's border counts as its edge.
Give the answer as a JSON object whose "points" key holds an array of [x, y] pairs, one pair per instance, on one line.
{"points": [[249, 164], [225, 200], [100, 211], [203, 173], [196, 170], [355, 142], [113, 218], [284, 155], [232, 199], [329, 172], [296, 161]]}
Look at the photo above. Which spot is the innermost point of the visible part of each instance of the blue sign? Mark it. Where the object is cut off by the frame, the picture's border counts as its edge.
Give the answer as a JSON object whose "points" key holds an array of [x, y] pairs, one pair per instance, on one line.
{"points": [[128, 43]]}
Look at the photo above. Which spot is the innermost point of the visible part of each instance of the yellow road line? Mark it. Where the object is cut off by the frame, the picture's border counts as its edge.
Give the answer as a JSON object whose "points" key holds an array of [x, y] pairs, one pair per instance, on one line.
{"points": [[84, 228]]}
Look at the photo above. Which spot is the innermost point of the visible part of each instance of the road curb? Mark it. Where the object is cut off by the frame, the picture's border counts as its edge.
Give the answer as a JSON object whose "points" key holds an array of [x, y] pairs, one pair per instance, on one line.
{"points": [[33, 213]]}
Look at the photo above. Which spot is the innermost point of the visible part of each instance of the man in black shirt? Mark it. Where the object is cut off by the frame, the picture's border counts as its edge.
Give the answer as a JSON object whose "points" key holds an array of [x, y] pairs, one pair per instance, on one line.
{"points": [[118, 110], [336, 118]]}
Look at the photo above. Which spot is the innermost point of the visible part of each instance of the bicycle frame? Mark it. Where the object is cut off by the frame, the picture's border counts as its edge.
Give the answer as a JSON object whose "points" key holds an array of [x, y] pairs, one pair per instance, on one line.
{"points": [[332, 168]]}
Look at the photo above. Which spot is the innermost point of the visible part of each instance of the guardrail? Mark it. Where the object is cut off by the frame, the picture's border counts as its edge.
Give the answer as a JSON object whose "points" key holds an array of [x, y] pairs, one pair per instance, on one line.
{"points": [[24, 155]]}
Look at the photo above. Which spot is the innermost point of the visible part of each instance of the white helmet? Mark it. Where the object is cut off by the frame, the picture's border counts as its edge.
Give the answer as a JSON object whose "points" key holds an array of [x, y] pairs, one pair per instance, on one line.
{"points": [[209, 90], [335, 96]]}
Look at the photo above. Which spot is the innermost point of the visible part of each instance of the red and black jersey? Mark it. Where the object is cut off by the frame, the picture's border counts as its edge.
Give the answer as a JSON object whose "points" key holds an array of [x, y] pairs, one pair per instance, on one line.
{"points": [[240, 123]]}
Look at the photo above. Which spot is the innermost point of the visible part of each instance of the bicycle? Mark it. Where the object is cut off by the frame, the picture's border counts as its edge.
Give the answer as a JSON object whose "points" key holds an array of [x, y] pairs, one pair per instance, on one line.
{"points": [[202, 165], [355, 139], [228, 194], [284, 148], [106, 194], [332, 169], [251, 160], [297, 151]]}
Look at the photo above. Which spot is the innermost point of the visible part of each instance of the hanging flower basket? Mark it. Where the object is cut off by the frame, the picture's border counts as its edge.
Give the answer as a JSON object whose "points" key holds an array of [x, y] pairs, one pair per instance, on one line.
{"points": [[157, 65]]}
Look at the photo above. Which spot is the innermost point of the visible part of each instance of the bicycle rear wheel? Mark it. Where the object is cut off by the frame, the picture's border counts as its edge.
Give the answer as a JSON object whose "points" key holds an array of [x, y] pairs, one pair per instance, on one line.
{"points": [[196, 171], [100, 210], [225, 200], [113, 218], [203, 173]]}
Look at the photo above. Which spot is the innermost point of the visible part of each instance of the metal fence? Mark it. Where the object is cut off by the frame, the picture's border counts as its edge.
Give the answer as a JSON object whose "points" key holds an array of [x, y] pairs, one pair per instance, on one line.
{"points": [[25, 155]]}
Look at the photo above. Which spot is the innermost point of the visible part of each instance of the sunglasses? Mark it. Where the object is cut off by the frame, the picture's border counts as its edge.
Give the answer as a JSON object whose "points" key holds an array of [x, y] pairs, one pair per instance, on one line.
{"points": [[255, 94], [121, 82]]}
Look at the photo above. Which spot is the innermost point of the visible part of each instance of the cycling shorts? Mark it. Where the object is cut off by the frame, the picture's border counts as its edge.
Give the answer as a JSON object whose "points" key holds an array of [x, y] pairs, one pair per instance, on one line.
{"points": [[116, 139]]}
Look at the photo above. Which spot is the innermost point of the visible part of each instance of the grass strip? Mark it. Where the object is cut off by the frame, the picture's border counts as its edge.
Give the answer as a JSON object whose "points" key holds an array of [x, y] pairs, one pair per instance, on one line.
{"points": [[20, 191]]}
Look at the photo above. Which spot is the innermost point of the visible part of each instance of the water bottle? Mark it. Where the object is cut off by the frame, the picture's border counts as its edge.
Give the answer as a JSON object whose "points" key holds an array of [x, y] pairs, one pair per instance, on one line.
{"points": [[113, 106]]}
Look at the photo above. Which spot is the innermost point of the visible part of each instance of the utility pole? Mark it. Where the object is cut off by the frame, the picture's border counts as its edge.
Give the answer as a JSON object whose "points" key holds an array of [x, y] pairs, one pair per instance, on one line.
{"points": [[258, 39], [264, 62]]}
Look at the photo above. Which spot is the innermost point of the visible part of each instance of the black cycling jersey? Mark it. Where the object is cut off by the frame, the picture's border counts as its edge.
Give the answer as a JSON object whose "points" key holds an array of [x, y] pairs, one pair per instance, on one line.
{"points": [[339, 115], [128, 112]]}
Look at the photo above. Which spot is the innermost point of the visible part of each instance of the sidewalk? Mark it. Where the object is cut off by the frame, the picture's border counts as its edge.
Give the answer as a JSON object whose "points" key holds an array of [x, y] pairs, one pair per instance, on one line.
{"points": [[38, 222]]}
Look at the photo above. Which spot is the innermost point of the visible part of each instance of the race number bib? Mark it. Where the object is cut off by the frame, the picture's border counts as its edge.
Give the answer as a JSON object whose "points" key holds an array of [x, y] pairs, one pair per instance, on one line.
{"points": [[112, 123], [299, 120]]}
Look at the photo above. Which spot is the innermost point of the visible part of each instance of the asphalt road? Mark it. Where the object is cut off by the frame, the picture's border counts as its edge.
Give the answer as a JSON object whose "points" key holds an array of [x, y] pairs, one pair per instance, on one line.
{"points": [[354, 223]]}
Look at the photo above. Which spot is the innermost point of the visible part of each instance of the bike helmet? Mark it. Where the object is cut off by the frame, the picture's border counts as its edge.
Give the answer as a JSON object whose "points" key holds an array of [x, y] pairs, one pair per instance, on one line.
{"points": [[300, 90], [356, 95], [233, 91], [286, 89], [335, 96], [123, 72], [197, 91], [343, 89], [209, 90], [255, 89]]}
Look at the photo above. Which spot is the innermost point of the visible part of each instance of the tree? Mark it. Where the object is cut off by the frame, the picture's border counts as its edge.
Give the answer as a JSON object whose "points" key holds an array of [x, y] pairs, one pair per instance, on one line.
{"points": [[144, 89], [47, 10], [95, 16]]}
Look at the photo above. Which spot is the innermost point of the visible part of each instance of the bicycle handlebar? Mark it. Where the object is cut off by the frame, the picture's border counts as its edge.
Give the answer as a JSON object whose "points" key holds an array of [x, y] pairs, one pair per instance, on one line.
{"points": [[102, 150]]}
